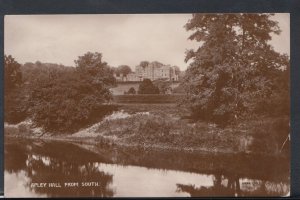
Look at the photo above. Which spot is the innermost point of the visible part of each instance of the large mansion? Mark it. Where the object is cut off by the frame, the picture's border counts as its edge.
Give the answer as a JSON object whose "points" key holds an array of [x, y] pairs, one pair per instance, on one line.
{"points": [[152, 71]]}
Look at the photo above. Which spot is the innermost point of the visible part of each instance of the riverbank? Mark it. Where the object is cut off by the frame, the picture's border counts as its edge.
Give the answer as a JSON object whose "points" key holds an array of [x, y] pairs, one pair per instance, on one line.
{"points": [[163, 126]]}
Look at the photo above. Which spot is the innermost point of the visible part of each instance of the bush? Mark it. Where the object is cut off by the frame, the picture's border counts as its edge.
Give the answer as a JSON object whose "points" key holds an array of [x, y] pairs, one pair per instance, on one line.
{"points": [[16, 105], [269, 134], [179, 89], [68, 103], [147, 87], [14, 97], [131, 91], [70, 99], [277, 105]]}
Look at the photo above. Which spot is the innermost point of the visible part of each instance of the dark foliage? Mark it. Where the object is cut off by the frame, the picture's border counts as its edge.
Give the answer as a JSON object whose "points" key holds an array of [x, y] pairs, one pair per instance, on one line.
{"points": [[68, 100], [147, 87], [91, 66], [16, 105], [12, 73], [235, 72], [14, 96], [131, 91], [164, 86], [122, 69]]}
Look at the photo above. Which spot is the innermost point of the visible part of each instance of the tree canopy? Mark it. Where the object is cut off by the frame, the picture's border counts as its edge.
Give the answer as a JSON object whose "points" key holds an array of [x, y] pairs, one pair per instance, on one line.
{"points": [[124, 69], [144, 64], [73, 99], [14, 95], [92, 66], [131, 91], [164, 85], [234, 67], [147, 87], [12, 73]]}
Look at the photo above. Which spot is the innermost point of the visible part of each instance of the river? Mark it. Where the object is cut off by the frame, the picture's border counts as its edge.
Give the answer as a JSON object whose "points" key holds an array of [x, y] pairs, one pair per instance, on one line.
{"points": [[37, 168]]}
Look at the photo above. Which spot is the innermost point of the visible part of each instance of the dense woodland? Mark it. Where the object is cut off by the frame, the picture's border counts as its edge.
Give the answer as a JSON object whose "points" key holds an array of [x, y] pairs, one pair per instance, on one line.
{"points": [[234, 75]]}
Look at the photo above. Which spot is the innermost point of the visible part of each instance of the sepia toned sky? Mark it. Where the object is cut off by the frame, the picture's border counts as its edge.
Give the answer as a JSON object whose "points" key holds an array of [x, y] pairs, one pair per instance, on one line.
{"points": [[121, 38]]}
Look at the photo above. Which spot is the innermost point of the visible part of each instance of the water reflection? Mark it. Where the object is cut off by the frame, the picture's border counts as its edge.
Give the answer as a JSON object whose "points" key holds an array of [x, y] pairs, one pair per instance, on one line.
{"points": [[136, 181], [15, 185], [132, 172], [235, 186], [32, 168]]}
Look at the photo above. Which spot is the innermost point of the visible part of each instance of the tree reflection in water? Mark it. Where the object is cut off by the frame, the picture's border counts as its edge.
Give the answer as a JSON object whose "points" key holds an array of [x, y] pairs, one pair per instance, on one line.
{"points": [[218, 189], [41, 168], [225, 186], [60, 162]]}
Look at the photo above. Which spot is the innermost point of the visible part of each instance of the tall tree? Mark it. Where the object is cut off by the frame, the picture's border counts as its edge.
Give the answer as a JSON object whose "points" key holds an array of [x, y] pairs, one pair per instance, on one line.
{"points": [[234, 66], [144, 64], [12, 73], [124, 69], [15, 106], [177, 70], [92, 65]]}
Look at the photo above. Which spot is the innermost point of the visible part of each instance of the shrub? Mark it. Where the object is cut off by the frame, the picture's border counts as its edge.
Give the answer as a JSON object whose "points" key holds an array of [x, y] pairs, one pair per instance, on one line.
{"points": [[179, 89], [16, 106], [68, 103], [131, 91], [147, 87], [269, 134], [14, 97], [68, 100]]}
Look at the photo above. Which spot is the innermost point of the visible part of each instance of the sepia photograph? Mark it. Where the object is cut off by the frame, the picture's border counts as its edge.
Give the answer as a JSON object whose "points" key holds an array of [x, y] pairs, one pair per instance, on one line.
{"points": [[147, 105]]}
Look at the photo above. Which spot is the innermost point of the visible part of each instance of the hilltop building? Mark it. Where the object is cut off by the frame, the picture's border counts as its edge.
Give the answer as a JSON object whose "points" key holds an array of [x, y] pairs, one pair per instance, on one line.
{"points": [[152, 71]]}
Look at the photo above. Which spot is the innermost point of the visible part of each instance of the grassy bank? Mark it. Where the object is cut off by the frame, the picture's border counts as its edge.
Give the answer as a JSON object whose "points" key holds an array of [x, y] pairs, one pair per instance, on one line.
{"points": [[163, 126], [159, 131]]}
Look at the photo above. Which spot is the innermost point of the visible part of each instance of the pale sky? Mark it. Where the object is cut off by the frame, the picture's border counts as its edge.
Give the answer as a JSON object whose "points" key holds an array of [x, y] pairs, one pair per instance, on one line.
{"points": [[121, 38]]}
